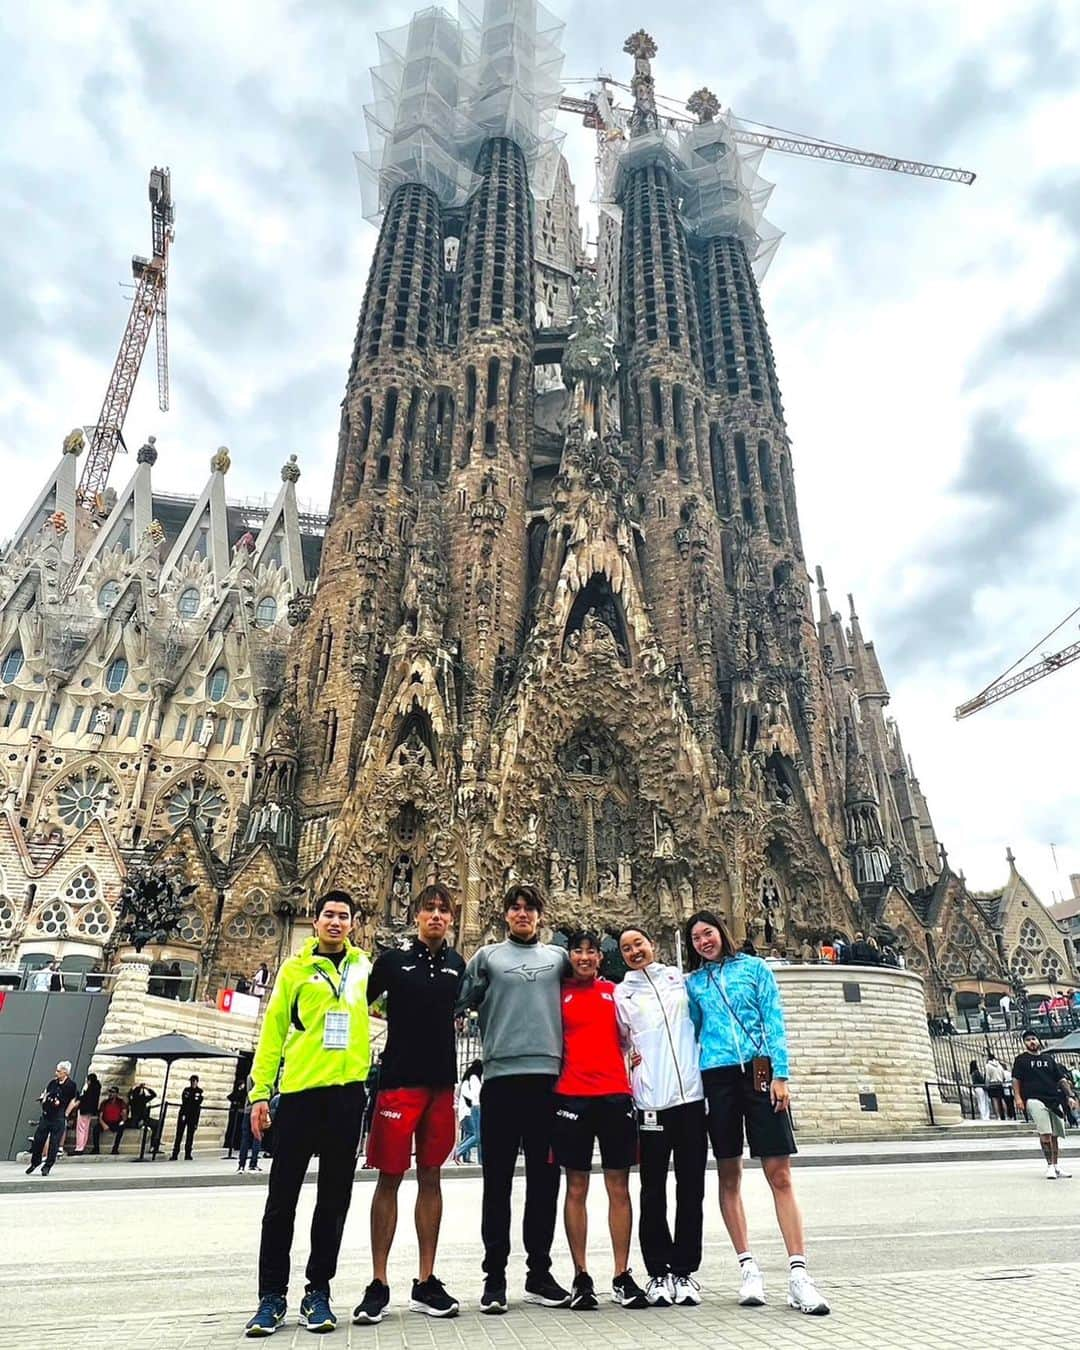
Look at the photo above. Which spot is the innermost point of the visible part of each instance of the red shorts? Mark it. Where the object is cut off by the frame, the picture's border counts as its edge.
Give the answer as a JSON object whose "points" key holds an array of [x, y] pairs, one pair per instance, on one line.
{"points": [[402, 1113]]}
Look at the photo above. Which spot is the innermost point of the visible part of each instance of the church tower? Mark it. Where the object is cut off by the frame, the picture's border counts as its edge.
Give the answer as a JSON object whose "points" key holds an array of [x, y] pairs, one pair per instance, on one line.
{"points": [[562, 629]]}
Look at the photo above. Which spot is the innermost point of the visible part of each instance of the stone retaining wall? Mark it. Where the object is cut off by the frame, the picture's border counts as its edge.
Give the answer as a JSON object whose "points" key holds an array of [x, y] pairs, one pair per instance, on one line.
{"points": [[860, 1050], [135, 1015]]}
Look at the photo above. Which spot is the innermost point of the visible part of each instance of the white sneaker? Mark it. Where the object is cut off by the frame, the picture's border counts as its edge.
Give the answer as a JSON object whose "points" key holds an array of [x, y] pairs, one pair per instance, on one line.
{"points": [[802, 1294], [751, 1287], [659, 1292], [1051, 1173], [686, 1292], [1061, 1174]]}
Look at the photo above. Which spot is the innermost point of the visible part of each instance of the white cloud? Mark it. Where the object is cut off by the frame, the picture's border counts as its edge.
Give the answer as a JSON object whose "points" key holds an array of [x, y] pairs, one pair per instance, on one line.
{"points": [[897, 307]]}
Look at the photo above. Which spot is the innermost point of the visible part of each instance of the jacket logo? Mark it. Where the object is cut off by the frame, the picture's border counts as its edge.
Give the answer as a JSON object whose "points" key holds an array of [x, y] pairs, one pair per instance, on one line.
{"points": [[391, 1115], [408, 967], [529, 972], [567, 1115]]}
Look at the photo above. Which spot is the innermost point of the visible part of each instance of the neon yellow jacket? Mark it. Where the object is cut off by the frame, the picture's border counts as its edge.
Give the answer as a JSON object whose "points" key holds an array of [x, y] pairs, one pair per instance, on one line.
{"points": [[306, 989]]}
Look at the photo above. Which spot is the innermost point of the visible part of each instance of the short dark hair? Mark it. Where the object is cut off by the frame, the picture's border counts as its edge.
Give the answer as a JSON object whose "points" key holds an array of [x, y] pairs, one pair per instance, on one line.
{"points": [[526, 891], [582, 936], [727, 947], [194, 1078], [436, 888], [633, 928], [334, 898]]}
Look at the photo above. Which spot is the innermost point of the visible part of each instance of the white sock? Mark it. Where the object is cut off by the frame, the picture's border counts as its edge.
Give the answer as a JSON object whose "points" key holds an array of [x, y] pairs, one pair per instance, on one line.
{"points": [[796, 1263], [746, 1259]]}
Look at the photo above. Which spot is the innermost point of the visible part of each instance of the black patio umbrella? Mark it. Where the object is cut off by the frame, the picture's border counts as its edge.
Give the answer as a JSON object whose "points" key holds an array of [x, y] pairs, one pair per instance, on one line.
{"points": [[170, 1047]]}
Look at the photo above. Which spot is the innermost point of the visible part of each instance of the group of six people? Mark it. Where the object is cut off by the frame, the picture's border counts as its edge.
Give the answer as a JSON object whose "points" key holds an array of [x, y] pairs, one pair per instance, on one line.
{"points": [[651, 1071]]}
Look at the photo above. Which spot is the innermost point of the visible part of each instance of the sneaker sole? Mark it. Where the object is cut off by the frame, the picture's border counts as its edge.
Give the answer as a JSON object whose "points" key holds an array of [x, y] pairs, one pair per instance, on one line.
{"points": [[367, 1320], [753, 1302], [493, 1308], [687, 1302], [634, 1304], [319, 1328], [660, 1303], [543, 1302], [819, 1310], [584, 1305], [257, 1333], [416, 1306]]}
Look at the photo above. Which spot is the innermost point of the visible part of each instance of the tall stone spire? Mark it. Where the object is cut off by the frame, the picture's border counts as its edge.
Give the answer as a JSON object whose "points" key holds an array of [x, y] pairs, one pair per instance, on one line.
{"points": [[642, 48]]}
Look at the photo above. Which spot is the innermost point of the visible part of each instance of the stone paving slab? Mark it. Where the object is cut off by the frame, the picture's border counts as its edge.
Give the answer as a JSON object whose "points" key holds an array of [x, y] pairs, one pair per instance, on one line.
{"points": [[931, 1310]]}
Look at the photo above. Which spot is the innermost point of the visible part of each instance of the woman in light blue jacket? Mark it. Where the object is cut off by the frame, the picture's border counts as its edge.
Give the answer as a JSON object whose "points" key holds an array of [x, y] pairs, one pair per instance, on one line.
{"points": [[736, 1009]]}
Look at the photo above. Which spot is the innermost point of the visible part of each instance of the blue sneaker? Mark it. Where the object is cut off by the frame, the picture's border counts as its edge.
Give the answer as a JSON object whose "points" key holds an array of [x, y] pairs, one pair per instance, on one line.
{"points": [[268, 1317], [315, 1311]]}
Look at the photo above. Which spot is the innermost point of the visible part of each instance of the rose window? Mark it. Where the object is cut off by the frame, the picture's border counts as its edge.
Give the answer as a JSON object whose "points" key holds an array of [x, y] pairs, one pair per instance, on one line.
{"points": [[53, 919], [83, 796], [82, 887], [265, 927], [239, 926], [1030, 935], [203, 803], [191, 927], [1020, 963], [1052, 968], [96, 921]]}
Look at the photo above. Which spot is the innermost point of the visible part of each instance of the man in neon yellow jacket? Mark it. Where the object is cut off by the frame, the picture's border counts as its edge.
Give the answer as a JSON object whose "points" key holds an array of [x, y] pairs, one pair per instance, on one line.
{"points": [[314, 1035]]}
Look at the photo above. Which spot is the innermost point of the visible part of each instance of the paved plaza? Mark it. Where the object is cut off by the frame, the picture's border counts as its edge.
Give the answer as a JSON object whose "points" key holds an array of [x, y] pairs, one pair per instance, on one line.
{"points": [[911, 1255]]}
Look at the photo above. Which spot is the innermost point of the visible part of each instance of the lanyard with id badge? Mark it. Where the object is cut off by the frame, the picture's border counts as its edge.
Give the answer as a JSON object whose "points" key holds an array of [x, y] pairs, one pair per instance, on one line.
{"points": [[336, 1022]]}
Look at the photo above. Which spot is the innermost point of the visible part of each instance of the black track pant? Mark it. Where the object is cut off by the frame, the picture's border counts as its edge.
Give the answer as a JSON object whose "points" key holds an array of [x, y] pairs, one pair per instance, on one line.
{"points": [[50, 1133], [682, 1137], [186, 1125], [325, 1121], [517, 1112]]}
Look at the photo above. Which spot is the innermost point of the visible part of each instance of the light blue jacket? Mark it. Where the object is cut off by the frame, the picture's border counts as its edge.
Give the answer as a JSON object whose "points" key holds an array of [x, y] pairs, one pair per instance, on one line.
{"points": [[737, 1013]]}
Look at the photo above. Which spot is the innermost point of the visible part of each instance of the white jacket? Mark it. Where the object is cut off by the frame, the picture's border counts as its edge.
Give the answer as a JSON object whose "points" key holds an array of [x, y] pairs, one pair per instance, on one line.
{"points": [[654, 1018]]}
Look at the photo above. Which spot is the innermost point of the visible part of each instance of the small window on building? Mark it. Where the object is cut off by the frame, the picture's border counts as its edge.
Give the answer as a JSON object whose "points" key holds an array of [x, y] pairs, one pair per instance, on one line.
{"points": [[51, 716], [108, 596], [266, 611], [117, 721], [237, 730], [76, 718], [181, 726], [28, 712], [217, 684], [188, 604], [9, 716], [116, 675], [13, 664], [219, 731], [133, 724]]}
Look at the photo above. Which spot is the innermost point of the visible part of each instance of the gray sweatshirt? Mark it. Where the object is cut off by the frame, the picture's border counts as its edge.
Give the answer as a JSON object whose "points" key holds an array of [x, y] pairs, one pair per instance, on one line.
{"points": [[517, 988]]}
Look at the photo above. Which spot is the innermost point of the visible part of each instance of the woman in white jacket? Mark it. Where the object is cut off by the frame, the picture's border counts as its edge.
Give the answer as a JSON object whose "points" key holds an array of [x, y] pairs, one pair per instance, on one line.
{"points": [[654, 1016]]}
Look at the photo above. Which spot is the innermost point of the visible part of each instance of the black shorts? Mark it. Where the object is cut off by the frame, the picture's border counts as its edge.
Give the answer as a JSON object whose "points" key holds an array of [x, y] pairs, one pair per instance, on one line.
{"points": [[734, 1106], [581, 1121]]}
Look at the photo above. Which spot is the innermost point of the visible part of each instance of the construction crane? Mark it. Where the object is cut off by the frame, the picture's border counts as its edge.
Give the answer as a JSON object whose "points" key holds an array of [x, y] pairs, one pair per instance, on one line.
{"points": [[768, 138], [148, 309], [1008, 683]]}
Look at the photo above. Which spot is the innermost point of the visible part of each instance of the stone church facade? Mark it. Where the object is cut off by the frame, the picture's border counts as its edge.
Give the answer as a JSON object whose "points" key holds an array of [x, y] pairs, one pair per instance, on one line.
{"points": [[557, 626]]}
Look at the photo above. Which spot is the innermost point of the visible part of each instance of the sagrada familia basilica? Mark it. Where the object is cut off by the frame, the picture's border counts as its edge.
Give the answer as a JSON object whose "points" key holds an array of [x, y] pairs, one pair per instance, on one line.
{"points": [[558, 623]]}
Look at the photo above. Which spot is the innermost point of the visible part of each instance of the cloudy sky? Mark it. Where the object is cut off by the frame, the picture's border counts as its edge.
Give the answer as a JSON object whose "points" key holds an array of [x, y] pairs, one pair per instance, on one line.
{"points": [[927, 335]]}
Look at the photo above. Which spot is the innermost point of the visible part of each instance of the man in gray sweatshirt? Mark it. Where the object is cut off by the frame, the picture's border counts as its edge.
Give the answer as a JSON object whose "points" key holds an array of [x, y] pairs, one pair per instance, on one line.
{"points": [[516, 985]]}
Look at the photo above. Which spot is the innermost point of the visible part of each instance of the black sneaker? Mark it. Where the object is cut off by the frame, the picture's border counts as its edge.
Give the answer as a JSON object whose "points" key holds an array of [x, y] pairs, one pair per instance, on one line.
{"points": [[268, 1316], [582, 1295], [627, 1293], [429, 1296], [544, 1290], [32, 1168], [315, 1312], [493, 1298], [372, 1306], [46, 1169]]}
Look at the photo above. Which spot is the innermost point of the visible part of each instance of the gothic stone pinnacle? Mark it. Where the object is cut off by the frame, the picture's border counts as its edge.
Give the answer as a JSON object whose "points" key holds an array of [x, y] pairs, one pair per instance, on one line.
{"points": [[704, 104], [640, 45]]}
